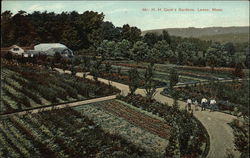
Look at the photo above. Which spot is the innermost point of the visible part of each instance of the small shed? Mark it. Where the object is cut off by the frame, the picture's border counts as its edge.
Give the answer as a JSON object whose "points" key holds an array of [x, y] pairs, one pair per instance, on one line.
{"points": [[16, 50]]}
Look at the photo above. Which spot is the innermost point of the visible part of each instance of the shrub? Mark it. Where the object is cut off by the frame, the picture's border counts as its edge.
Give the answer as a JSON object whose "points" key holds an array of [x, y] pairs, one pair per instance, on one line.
{"points": [[134, 80]]}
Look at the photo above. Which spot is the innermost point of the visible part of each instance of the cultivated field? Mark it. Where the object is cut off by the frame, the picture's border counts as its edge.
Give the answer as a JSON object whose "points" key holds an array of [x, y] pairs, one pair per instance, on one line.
{"points": [[28, 86], [136, 125], [60, 133]]}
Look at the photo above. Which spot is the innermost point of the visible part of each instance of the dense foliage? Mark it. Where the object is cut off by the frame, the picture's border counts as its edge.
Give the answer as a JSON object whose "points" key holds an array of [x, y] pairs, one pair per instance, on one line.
{"points": [[241, 133], [88, 33]]}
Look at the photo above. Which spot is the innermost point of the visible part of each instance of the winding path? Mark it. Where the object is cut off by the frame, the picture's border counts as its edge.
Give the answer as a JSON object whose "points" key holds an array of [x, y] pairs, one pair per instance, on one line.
{"points": [[216, 123]]}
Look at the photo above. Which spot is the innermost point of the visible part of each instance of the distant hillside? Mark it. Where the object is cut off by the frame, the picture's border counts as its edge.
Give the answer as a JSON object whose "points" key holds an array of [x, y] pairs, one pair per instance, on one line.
{"points": [[222, 34], [231, 37]]}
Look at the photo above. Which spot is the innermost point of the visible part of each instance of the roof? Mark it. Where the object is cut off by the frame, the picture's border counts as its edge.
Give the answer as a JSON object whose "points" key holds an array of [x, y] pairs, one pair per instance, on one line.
{"points": [[47, 46]]}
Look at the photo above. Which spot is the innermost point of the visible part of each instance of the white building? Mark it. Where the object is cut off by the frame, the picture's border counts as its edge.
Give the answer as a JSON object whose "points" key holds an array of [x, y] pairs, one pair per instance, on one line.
{"points": [[52, 48], [16, 50], [47, 46]]}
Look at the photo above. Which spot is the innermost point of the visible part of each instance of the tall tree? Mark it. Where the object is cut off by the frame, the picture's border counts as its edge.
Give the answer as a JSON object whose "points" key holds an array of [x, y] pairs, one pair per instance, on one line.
{"points": [[229, 47], [165, 36], [164, 48], [110, 32], [6, 29], [70, 38], [134, 80], [150, 85], [139, 51], [151, 38], [23, 30], [132, 34], [174, 78], [123, 48]]}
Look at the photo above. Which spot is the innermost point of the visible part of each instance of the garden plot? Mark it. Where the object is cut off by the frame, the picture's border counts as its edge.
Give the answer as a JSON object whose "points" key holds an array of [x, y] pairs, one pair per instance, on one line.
{"points": [[25, 87], [160, 76], [59, 134], [187, 74], [116, 117], [231, 97]]}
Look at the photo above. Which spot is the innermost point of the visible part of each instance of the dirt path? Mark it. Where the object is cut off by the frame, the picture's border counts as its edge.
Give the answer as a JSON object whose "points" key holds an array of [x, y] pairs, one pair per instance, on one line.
{"points": [[216, 123], [64, 105]]}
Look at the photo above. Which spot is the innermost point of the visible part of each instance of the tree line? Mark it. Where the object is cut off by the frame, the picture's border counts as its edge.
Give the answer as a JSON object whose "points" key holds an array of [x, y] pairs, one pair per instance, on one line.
{"points": [[88, 33]]}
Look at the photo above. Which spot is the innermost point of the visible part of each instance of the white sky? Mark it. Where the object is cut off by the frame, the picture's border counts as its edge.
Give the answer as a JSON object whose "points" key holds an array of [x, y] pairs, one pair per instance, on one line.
{"points": [[234, 13]]}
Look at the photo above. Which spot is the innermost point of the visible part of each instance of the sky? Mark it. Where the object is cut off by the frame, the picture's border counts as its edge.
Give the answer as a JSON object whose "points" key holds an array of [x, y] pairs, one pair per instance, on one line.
{"points": [[148, 15]]}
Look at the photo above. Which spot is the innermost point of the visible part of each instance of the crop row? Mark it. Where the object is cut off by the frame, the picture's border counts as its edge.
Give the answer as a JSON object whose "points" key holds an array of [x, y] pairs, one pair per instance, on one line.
{"points": [[190, 135], [154, 126], [118, 125], [26, 88], [58, 133]]}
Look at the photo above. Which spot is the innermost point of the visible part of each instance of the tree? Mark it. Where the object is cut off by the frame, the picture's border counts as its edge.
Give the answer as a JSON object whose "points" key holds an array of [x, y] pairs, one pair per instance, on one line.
{"points": [[211, 60], [132, 34], [123, 48], [174, 78], [185, 51], [110, 32], [107, 49], [89, 29], [22, 29], [215, 54], [175, 95], [165, 36], [153, 56], [238, 70], [108, 67], [70, 38], [134, 80], [6, 29], [96, 69], [150, 85], [139, 51], [164, 48], [135, 34], [151, 38], [229, 47], [73, 70]]}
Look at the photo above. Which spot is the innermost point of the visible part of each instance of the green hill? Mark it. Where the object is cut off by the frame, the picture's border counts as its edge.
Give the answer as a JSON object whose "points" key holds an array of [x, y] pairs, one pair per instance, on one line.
{"points": [[231, 37], [222, 34]]}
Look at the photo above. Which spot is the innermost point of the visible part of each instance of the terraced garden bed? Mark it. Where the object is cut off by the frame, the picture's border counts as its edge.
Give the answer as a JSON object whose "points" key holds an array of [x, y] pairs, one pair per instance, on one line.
{"points": [[27, 86], [155, 126], [191, 137], [61, 133], [193, 72], [124, 79], [231, 97], [162, 78], [134, 124]]}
